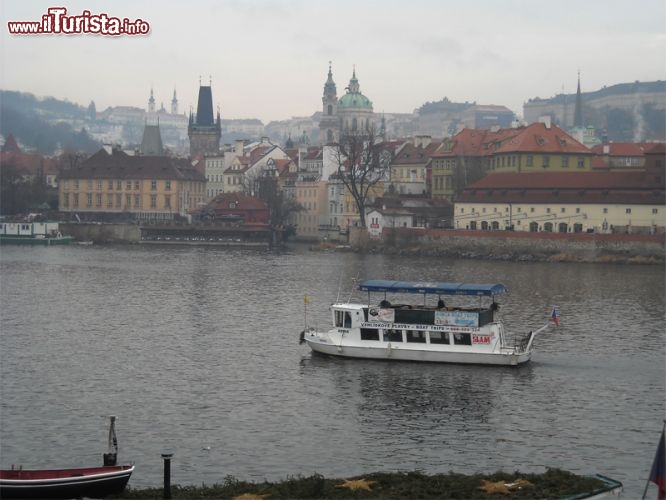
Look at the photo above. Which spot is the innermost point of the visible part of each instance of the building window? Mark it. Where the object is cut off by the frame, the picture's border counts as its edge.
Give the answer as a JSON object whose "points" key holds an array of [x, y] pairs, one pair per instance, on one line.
{"points": [[577, 210], [167, 201], [655, 211], [563, 210], [119, 185], [605, 210], [565, 162], [581, 162], [137, 201], [532, 210], [153, 185], [529, 161], [98, 200], [119, 200], [167, 185], [90, 184], [109, 200], [128, 201], [137, 185], [548, 210], [76, 200], [545, 161], [99, 184], [66, 200], [110, 184], [128, 185], [153, 201], [627, 211], [89, 200]]}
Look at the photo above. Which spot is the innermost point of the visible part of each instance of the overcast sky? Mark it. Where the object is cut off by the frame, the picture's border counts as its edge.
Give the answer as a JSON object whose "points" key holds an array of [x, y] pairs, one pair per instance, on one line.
{"points": [[268, 59]]}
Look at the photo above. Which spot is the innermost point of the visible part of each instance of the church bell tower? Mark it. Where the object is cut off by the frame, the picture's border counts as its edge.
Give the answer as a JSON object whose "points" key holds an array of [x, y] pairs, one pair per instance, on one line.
{"points": [[328, 126]]}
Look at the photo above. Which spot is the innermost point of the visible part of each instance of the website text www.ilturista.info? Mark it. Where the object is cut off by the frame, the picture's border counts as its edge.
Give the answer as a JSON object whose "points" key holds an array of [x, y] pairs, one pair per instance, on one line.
{"points": [[56, 21]]}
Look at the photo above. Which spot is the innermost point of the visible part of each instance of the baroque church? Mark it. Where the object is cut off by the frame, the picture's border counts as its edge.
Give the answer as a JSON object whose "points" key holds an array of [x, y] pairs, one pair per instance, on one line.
{"points": [[352, 112]]}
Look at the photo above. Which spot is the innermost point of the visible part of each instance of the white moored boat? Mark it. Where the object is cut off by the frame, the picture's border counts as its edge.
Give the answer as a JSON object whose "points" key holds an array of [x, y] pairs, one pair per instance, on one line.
{"points": [[423, 332]]}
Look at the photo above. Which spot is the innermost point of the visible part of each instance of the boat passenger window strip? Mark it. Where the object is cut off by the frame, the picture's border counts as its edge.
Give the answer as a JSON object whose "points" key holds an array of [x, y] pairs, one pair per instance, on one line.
{"points": [[369, 334], [392, 335], [439, 337], [418, 336], [462, 339]]}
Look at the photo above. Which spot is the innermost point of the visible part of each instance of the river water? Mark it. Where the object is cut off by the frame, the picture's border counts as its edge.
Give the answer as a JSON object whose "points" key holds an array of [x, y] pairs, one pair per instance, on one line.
{"points": [[196, 351]]}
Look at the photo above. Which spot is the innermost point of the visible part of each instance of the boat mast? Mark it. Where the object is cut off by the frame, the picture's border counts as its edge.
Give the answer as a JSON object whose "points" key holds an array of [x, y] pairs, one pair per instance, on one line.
{"points": [[111, 457]]}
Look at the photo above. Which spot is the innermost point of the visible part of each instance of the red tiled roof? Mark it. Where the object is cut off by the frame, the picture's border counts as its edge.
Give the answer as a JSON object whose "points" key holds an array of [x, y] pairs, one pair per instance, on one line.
{"points": [[534, 138], [567, 187], [623, 149], [241, 201], [119, 165]]}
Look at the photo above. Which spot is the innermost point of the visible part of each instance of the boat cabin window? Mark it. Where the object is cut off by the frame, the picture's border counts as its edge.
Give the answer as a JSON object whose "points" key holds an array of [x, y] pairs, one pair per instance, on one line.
{"points": [[416, 336], [343, 319], [392, 335], [439, 337], [369, 334], [462, 339]]}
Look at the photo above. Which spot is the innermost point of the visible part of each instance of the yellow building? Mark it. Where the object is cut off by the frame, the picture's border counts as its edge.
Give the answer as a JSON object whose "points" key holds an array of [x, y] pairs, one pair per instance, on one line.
{"points": [[141, 187], [471, 154], [560, 202]]}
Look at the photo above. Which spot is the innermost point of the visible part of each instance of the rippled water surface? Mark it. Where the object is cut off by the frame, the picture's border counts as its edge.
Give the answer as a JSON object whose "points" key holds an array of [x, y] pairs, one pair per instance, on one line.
{"points": [[196, 351]]}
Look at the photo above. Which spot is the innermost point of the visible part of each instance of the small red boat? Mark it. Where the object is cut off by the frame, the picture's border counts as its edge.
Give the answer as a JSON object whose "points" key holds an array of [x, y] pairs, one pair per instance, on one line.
{"points": [[91, 482]]}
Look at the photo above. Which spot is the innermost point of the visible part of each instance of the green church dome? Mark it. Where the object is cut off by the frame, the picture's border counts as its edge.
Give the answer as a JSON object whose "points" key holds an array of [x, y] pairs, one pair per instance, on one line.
{"points": [[354, 100]]}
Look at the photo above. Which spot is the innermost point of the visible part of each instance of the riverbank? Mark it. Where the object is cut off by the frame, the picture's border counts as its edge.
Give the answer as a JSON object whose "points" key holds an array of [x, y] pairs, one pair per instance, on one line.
{"points": [[554, 483], [515, 246]]}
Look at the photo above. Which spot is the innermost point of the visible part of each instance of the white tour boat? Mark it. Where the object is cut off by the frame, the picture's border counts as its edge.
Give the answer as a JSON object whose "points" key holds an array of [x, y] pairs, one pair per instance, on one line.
{"points": [[423, 332]]}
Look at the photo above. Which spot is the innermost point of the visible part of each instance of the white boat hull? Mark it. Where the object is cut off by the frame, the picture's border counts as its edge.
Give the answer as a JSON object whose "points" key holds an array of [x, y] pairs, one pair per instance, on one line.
{"points": [[464, 332], [391, 351]]}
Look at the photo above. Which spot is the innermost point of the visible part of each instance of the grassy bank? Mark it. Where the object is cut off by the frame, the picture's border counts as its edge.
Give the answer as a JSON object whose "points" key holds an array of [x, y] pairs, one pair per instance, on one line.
{"points": [[554, 483]]}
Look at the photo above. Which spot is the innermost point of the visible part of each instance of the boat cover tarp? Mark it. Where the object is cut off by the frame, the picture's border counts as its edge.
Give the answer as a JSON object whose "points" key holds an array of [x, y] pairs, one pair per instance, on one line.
{"points": [[436, 288]]}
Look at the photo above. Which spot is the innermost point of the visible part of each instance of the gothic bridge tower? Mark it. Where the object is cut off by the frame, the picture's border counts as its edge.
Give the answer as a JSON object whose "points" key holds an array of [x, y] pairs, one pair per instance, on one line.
{"points": [[204, 132]]}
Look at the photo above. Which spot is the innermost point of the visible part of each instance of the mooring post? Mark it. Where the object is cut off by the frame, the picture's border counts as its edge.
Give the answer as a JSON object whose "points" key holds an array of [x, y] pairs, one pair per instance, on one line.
{"points": [[167, 474]]}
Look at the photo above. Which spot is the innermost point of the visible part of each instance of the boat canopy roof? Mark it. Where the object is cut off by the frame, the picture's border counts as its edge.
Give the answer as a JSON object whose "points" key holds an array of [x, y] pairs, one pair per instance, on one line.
{"points": [[434, 288]]}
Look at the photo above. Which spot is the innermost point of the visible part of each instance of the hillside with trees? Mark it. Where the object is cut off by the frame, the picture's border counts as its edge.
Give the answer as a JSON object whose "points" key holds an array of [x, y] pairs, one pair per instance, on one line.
{"points": [[35, 123]]}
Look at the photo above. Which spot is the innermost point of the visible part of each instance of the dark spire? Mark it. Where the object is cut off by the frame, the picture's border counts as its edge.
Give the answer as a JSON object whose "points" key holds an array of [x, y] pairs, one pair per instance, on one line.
{"points": [[578, 110], [205, 107]]}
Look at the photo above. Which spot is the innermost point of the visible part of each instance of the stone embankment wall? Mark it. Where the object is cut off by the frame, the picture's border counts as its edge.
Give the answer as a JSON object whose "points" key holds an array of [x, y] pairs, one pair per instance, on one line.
{"points": [[102, 232], [524, 246]]}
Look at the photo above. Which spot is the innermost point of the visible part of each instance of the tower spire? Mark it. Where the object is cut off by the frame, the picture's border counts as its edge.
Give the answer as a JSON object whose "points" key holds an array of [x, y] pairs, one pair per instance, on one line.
{"points": [[578, 110]]}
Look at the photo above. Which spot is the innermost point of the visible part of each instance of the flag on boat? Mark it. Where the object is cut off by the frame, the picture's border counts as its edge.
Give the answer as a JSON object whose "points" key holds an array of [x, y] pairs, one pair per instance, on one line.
{"points": [[658, 472], [554, 316], [306, 299]]}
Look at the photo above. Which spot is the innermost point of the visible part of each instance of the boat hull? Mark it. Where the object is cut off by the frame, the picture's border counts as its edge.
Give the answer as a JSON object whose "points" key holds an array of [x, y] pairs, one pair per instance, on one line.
{"points": [[31, 241], [95, 482], [393, 352]]}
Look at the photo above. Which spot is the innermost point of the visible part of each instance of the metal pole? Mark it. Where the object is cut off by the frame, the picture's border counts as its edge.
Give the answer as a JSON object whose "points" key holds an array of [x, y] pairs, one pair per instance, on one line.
{"points": [[167, 474]]}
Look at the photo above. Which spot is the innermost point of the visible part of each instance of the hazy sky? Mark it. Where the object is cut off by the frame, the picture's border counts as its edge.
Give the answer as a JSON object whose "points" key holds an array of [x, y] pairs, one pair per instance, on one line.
{"points": [[268, 59]]}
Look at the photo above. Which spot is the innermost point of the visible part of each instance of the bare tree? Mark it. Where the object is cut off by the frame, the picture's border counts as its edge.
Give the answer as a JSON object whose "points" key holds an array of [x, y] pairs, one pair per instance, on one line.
{"points": [[362, 163]]}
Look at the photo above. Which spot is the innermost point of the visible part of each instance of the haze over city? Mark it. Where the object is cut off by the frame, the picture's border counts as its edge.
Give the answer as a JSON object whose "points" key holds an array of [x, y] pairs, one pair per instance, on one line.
{"points": [[268, 59]]}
